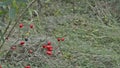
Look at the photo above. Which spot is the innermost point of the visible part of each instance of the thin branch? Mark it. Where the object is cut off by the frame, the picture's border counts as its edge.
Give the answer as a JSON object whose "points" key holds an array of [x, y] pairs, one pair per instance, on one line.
{"points": [[7, 27], [39, 5]]}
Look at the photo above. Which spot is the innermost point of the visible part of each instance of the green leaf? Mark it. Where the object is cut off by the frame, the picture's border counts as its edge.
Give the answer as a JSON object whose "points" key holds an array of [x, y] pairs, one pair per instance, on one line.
{"points": [[2, 12], [14, 4], [12, 13]]}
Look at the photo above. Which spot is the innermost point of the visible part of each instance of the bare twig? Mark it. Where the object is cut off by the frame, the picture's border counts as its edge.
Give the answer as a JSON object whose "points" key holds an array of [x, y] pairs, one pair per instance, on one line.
{"points": [[39, 5], [7, 27]]}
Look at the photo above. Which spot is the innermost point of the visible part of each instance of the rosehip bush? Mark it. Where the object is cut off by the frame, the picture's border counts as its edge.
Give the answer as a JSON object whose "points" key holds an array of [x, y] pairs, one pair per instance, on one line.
{"points": [[24, 50]]}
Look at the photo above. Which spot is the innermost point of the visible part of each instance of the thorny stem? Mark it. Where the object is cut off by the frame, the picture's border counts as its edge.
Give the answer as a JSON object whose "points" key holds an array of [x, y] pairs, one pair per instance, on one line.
{"points": [[5, 32]]}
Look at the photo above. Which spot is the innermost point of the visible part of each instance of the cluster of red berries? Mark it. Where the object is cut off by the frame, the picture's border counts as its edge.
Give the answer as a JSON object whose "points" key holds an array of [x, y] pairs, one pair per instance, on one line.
{"points": [[60, 39], [48, 48], [21, 25]]}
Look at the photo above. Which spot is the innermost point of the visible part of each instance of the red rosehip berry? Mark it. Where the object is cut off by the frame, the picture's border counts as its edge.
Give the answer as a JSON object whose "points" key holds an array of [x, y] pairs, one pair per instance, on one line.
{"points": [[49, 52], [22, 43], [62, 39], [49, 47], [49, 43], [13, 48], [27, 67], [31, 26], [58, 39], [21, 25], [30, 51], [44, 46]]}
